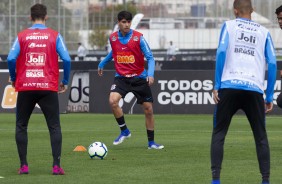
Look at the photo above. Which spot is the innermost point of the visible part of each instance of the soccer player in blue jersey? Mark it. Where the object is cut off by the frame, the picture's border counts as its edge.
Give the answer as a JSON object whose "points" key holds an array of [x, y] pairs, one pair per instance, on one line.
{"points": [[244, 53], [128, 50]]}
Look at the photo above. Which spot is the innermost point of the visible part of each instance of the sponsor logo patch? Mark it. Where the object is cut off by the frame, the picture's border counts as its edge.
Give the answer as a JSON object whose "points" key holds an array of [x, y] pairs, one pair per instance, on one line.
{"points": [[135, 38], [35, 59], [34, 73], [34, 45], [245, 37]]}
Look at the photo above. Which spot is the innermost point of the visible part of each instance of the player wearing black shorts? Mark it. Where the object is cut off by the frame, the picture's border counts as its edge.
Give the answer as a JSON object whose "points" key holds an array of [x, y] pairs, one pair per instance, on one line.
{"points": [[128, 50], [138, 86]]}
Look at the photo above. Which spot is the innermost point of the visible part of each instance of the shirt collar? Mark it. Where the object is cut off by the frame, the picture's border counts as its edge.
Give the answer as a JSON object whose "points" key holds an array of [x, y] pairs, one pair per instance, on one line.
{"points": [[126, 35], [38, 26], [244, 19]]}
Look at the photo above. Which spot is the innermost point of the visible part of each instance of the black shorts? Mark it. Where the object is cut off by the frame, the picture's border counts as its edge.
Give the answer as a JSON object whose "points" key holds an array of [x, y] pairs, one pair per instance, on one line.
{"points": [[231, 100], [138, 86], [47, 100]]}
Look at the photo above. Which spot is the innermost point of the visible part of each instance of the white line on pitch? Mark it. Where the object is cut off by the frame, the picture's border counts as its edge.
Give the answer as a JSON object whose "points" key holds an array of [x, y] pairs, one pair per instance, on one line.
{"points": [[1, 177]]}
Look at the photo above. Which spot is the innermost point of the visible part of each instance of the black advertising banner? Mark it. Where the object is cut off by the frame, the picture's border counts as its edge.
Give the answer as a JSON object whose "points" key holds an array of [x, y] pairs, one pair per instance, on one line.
{"points": [[185, 92], [174, 92], [79, 92]]}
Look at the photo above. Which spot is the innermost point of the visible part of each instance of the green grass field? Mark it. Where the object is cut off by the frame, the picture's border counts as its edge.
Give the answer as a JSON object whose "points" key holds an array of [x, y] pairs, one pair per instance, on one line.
{"points": [[185, 159]]}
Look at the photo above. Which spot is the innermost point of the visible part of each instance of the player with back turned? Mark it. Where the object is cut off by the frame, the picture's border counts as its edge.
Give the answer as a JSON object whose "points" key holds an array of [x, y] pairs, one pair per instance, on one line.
{"points": [[244, 53], [128, 50], [34, 72]]}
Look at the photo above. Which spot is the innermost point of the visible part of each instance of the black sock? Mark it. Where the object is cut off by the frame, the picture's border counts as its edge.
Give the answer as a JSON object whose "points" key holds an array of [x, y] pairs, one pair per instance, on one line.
{"points": [[216, 174], [150, 135], [23, 163], [56, 144], [121, 123], [265, 179]]}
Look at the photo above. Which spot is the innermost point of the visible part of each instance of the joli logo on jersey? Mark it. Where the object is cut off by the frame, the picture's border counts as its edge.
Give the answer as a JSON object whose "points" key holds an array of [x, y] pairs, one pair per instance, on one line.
{"points": [[35, 59], [246, 37]]}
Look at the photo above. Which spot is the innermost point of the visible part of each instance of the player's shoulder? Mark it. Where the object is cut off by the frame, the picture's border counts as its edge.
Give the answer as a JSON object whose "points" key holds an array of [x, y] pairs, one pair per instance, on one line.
{"points": [[53, 31], [137, 33], [264, 28], [114, 34]]}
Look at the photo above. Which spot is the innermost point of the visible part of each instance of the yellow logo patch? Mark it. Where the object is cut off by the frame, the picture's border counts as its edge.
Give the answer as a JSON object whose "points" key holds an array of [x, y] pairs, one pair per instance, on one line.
{"points": [[9, 100]]}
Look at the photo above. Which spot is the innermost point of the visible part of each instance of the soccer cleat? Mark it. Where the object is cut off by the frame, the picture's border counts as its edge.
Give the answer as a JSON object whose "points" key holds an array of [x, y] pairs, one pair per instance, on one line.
{"points": [[153, 145], [265, 182], [23, 169], [58, 170], [215, 182], [123, 135]]}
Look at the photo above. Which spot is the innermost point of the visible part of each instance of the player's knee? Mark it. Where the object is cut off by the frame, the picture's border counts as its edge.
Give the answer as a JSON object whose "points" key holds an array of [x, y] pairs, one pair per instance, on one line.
{"points": [[113, 102], [148, 110]]}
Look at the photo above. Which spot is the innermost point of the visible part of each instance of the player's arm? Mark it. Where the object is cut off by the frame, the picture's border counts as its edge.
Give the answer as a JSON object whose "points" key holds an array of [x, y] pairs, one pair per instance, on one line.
{"points": [[272, 69], [150, 59], [220, 60], [12, 58], [64, 55], [103, 63]]}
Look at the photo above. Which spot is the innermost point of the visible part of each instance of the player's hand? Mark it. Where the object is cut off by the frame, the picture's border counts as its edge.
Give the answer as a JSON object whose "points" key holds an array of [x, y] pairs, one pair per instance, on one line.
{"points": [[215, 96], [62, 88], [150, 80], [268, 107], [100, 72], [12, 84]]}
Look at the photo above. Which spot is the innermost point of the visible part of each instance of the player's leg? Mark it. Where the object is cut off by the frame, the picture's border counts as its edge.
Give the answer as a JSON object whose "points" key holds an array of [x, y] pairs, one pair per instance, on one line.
{"points": [[142, 92], [255, 112], [150, 126], [25, 105], [224, 110], [49, 104], [119, 90], [114, 99]]}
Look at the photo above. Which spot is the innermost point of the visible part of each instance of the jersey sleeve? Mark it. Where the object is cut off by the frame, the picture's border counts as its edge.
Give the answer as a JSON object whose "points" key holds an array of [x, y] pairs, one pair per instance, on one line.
{"points": [[12, 58], [221, 56], [272, 68], [64, 55], [106, 60], [148, 55]]}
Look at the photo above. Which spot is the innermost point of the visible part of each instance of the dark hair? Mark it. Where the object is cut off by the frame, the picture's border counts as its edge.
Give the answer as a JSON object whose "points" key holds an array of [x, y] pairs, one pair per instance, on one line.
{"points": [[124, 15], [278, 10], [38, 12], [243, 6]]}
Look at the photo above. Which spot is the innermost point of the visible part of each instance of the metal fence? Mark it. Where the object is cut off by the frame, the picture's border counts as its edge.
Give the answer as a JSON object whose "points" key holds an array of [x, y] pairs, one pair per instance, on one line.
{"points": [[15, 16]]}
